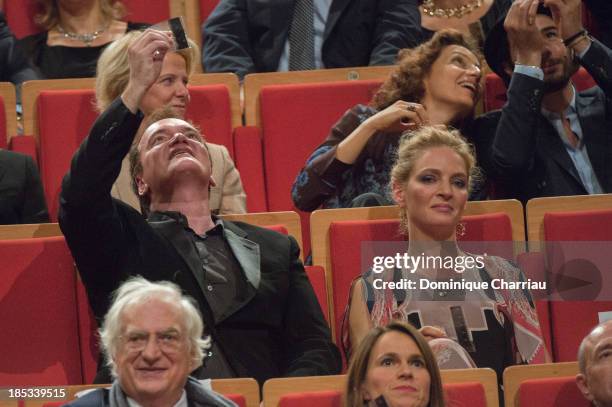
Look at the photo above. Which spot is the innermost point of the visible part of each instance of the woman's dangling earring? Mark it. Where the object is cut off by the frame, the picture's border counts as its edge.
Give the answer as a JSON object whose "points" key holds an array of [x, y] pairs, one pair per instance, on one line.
{"points": [[460, 229]]}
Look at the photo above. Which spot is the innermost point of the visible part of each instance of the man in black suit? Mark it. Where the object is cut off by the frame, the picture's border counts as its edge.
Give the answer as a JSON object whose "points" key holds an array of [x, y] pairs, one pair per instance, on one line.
{"points": [[549, 139], [21, 194], [247, 36], [256, 301]]}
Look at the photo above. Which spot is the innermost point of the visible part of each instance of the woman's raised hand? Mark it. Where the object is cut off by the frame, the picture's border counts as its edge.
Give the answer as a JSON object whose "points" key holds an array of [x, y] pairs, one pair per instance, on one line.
{"points": [[145, 57], [399, 117]]}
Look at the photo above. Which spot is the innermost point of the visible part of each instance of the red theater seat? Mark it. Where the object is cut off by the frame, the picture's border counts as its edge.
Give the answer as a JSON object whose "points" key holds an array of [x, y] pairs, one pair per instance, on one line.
{"points": [[551, 392], [249, 161], [564, 220], [60, 138], [329, 398], [316, 275], [39, 314], [470, 394], [304, 114], [211, 109], [596, 225]]}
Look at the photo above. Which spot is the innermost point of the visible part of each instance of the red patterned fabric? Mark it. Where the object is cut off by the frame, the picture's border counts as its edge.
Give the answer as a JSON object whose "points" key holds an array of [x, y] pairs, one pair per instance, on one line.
{"points": [[551, 392], [567, 329], [295, 119], [39, 314], [249, 162], [534, 267]]}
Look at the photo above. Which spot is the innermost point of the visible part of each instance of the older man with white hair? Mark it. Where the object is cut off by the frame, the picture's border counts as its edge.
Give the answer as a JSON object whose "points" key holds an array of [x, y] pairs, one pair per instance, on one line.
{"points": [[595, 361], [152, 338]]}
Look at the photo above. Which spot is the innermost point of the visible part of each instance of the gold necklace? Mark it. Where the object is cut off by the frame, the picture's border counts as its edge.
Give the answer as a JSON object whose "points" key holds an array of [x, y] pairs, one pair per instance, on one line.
{"points": [[431, 10]]}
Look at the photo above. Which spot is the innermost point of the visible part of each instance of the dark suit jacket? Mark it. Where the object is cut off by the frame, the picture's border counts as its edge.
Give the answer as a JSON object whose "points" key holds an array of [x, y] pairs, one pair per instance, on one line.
{"points": [[277, 331], [21, 194], [14, 65], [524, 156], [246, 36]]}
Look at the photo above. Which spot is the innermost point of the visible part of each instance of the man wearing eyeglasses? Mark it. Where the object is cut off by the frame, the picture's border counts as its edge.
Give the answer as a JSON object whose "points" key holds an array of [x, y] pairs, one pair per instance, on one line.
{"points": [[152, 336]]}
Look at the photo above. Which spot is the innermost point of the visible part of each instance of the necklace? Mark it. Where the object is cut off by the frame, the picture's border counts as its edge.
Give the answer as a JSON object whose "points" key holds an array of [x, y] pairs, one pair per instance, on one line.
{"points": [[86, 38], [431, 10]]}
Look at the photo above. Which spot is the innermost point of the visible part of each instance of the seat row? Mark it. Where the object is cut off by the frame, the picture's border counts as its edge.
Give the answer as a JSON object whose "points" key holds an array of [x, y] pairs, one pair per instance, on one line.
{"points": [[40, 290], [548, 385], [287, 114]]}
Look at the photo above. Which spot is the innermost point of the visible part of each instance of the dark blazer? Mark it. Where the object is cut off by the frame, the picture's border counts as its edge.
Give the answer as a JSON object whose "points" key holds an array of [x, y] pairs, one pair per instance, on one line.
{"points": [[246, 36], [14, 65], [21, 194], [278, 330], [524, 156]]}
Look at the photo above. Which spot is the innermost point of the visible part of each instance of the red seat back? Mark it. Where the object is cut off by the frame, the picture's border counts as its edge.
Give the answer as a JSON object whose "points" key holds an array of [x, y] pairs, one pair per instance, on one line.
{"points": [[210, 108], [328, 398], [38, 311], [249, 161], [89, 339], [64, 119], [594, 225], [238, 399], [295, 119], [470, 394], [551, 392]]}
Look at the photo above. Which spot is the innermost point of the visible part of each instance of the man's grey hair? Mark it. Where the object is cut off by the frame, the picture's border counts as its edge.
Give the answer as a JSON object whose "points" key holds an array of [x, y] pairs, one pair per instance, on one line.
{"points": [[138, 290]]}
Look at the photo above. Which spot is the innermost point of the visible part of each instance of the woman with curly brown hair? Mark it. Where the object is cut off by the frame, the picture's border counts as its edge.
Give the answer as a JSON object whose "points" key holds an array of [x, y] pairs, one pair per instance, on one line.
{"points": [[437, 82], [75, 34]]}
